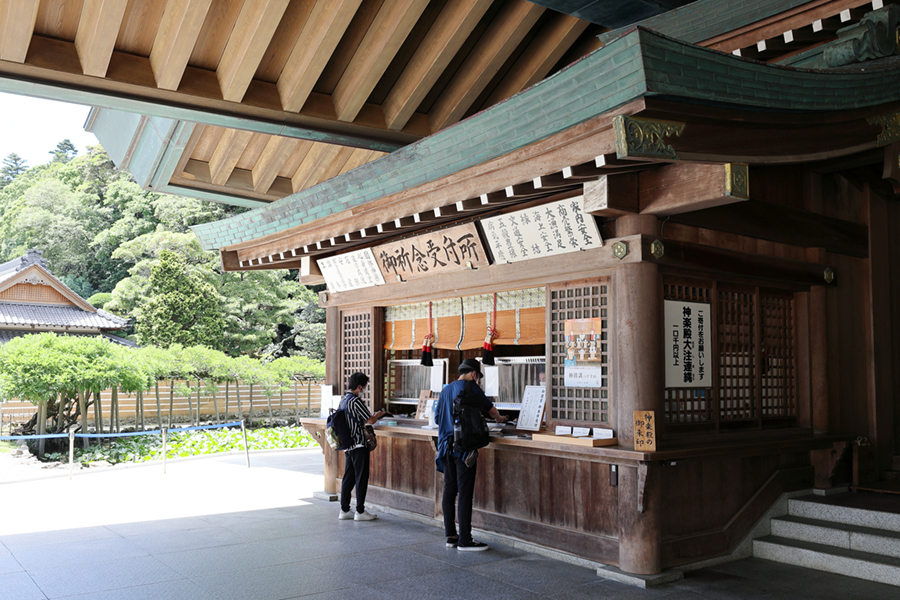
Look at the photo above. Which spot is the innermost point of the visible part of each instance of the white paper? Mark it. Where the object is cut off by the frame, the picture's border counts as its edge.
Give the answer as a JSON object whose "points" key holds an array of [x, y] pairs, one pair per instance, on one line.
{"points": [[563, 430], [581, 431], [325, 393], [532, 409], [437, 378], [491, 381], [603, 434], [429, 410], [687, 344], [583, 377]]}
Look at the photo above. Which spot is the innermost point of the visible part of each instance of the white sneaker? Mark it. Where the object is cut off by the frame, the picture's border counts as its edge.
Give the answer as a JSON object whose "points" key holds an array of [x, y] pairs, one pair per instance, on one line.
{"points": [[364, 516], [344, 515]]}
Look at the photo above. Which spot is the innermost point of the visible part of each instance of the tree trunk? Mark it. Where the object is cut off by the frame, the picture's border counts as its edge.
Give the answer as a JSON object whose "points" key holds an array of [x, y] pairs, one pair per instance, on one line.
{"points": [[227, 383], [237, 392], [250, 411], [190, 394], [216, 406], [41, 427], [98, 412], [171, 399], [114, 410], [269, 404], [296, 403], [140, 400], [82, 408], [158, 407]]}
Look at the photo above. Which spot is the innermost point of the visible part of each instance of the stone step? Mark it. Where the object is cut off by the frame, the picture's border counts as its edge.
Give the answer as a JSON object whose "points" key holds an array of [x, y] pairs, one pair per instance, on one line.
{"points": [[820, 508], [838, 535], [852, 563]]}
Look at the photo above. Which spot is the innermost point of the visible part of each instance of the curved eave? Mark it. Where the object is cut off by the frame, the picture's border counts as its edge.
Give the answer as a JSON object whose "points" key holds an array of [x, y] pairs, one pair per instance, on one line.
{"points": [[637, 65]]}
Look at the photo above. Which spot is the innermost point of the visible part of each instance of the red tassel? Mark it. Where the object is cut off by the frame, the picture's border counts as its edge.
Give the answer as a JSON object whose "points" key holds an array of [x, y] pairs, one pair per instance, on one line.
{"points": [[426, 346]]}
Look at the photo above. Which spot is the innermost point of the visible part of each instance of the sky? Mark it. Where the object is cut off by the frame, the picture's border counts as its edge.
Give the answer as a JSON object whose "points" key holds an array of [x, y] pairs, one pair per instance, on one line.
{"points": [[32, 127]]}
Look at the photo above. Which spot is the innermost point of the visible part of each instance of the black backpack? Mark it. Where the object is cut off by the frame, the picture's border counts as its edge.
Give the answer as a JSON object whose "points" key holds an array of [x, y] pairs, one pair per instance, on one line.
{"points": [[470, 430], [337, 428]]}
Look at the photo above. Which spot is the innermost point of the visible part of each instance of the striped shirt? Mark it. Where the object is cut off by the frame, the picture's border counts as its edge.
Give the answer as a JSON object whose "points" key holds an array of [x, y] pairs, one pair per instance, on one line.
{"points": [[357, 415]]}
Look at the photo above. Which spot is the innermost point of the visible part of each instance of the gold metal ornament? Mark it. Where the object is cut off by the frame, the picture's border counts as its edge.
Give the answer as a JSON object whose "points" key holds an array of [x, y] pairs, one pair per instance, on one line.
{"points": [[636, 137], [657, 249], [829, 275], [890, 128], [737, 184], [620, 250]]}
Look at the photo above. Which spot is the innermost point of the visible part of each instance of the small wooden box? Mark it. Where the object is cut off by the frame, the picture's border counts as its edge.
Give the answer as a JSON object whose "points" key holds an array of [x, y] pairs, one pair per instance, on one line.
{"points": [[574, 441]]}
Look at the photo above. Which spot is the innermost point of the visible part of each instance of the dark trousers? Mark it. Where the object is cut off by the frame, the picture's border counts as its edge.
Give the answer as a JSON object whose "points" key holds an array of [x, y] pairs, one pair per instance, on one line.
{"points": [[459, 484], [356, 474]]}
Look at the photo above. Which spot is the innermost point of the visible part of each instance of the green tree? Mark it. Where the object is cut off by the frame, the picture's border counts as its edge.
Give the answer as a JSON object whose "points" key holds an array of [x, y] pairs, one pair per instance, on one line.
{"points": [[64, 152], [13, 166], [182, 308]]}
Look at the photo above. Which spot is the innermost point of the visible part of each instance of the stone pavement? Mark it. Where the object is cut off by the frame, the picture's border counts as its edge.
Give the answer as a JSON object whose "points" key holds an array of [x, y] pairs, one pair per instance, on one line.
{"points": [[212, 528]]}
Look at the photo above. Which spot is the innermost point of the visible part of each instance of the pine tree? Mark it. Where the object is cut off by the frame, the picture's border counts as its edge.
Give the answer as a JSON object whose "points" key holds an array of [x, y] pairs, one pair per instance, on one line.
{"points": [[13, 166], [64, 152]]}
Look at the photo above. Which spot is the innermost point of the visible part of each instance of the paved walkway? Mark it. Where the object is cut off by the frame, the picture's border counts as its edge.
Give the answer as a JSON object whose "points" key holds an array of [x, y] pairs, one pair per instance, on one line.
{"points": [[213, 529]]}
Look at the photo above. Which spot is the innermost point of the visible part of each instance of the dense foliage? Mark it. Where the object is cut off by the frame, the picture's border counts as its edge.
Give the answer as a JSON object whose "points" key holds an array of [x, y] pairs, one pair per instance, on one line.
{"points": [[189, 443], [103, 234]]}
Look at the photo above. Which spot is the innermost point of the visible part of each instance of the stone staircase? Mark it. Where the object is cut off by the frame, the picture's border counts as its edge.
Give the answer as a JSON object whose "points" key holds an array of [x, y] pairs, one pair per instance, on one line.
{"points": [[857, 535]]}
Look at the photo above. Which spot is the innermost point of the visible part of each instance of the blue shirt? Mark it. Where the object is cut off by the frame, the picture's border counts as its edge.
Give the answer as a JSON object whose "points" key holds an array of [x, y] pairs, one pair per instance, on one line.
{"points": [[443, 415]]}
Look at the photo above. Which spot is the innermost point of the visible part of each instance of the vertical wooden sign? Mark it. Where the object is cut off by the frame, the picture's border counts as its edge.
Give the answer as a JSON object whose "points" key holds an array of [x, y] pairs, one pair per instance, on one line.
{"points": [[424, 397], [645, 431]]}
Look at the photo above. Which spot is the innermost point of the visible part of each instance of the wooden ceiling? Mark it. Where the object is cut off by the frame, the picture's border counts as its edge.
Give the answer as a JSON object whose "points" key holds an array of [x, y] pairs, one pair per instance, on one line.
{"points": [[350, 79]]}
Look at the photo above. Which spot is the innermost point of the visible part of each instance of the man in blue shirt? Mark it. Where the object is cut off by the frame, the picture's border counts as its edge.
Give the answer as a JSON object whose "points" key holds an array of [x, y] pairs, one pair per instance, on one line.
{"points": [[459, 468]]}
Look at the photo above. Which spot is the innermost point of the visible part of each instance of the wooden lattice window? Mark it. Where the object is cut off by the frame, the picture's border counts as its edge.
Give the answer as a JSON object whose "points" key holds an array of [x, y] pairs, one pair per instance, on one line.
{"points": [[777, 362], [754, 359], [357, 348], [571, 405], [737, 354], [689, 405]]}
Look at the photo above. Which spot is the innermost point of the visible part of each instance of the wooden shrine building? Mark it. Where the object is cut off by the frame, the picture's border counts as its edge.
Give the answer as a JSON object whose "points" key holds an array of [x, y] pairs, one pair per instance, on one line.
{"points": [[681, 212]]}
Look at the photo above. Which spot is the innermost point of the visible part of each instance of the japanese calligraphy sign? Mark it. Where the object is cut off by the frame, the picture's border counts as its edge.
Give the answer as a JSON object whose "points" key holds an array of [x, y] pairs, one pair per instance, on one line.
{"points": [[644, 431], [531, 414], [436, 252], [687, 331], [547, 230], [350, 271]]}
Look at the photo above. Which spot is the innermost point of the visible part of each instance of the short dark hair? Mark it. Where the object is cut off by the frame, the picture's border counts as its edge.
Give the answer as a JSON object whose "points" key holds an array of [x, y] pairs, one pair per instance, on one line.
{"points": [[358, 379]]}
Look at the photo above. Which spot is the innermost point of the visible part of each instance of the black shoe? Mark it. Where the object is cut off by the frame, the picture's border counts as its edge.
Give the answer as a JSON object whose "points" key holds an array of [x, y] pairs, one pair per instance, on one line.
{"points": [[452, 541], [472, 546]]}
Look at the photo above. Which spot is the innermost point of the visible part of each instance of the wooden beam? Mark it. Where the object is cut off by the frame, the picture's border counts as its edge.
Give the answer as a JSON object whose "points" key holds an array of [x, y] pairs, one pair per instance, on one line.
{"points": [[508, 28], [175, 39], [551, 43], [247, 44], [277, 150], [17, 18], [337, 165], [359, 158], [686, 187], [227, 154], [387, 33], [782, 224], [310, 274], [316, 162], [443, 41], [892, 165], [612, 195], [97, 32], [320, 36]]}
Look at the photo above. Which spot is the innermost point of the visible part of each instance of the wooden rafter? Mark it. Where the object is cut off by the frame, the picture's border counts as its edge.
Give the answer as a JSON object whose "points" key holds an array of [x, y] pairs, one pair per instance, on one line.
{"points": [[227, 153], [97, 32], [554, 39], [392, 24], [323, 30], [248, 42], [266, 170], [316, 162], [443, 41], [178, 31], [507, 30], [17, 18]]}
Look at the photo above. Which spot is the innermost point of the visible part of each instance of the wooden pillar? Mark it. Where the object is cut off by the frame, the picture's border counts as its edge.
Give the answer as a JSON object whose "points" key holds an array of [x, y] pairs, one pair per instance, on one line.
{"points": [[333, 348], [640, 530], [639, 386], [639, 348], [637, 224], [818, 360]]}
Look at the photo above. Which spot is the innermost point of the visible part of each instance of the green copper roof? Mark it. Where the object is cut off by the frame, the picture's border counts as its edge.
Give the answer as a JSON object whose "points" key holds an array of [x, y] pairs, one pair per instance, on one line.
{"points": [[637, 64]]}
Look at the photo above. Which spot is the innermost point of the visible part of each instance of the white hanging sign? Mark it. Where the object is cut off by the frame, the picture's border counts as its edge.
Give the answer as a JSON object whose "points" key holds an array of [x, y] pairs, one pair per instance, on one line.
{"points": [[546, 230], [686, 331], [350, 271]]}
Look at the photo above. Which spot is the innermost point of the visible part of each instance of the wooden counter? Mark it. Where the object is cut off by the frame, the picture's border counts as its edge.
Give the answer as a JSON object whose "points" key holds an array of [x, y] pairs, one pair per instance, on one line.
{"points": [[597, 503]]}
